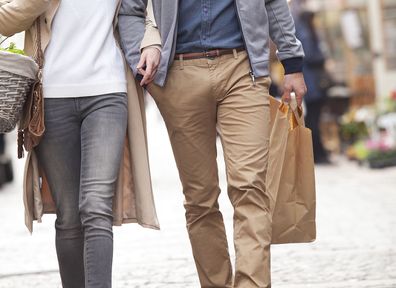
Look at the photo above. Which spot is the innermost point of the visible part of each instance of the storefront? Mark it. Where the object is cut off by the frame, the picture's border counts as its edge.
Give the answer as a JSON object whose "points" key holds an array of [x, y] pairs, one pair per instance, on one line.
{"points": [[383, 42], [360, 39]]}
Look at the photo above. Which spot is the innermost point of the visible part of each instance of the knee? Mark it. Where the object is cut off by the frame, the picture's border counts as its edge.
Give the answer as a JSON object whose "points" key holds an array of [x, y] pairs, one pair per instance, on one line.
{"points": [[67, 220], [68, 226], [195, 212], [249, 189], [96, 214], [242, 182]]}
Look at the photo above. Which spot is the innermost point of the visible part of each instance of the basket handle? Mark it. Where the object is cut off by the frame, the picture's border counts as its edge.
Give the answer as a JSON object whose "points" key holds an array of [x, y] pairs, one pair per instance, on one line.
{"points": [[5, 39]]}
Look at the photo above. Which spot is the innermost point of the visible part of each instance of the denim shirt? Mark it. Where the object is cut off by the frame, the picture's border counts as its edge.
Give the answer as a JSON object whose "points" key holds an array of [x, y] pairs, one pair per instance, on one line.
{"points": [[207, 24]]}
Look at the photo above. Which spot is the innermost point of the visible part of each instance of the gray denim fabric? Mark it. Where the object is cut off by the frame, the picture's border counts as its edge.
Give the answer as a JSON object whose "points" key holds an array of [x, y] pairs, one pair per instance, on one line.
{"points": [[80, 153]]}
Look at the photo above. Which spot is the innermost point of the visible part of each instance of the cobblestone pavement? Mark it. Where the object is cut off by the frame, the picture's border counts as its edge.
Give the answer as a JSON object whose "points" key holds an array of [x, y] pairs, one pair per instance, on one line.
{"points": [[355, 247]]}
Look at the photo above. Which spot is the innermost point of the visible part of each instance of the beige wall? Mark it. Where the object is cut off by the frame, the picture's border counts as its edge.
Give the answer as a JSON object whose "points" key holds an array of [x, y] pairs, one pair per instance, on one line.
{"points": [[385, 79]]}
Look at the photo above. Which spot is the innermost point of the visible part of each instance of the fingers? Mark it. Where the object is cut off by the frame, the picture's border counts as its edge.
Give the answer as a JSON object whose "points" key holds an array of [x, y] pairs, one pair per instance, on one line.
{"points": [[294, 83], [147, 75], [300, 93], [287, 90], [150, 72], [141, 63], [148, 65]]}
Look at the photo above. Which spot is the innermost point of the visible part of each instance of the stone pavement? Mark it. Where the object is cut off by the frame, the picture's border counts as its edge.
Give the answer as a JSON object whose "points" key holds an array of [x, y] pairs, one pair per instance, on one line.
{"points": [[356, 245]]}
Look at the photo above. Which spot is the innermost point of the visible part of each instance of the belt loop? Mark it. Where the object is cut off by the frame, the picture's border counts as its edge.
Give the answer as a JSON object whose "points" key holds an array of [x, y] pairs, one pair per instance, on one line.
{"points": [[235, 52], [181, 61]]}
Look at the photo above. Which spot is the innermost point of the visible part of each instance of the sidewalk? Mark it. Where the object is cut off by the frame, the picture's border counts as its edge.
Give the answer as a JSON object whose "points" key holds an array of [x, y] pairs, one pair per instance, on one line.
{"points": [[355, 247]]}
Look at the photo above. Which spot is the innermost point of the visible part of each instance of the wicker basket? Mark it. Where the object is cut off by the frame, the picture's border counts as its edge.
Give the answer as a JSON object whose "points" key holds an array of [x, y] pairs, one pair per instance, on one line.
{"points": [[17, 75]]}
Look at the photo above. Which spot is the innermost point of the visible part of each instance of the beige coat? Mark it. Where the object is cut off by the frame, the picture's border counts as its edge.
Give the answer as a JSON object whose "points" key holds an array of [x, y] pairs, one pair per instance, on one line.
{"points": [[133, 200]]}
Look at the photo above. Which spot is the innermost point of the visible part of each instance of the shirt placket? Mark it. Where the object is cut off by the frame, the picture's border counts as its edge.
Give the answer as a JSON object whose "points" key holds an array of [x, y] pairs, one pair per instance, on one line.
{"points": [[205, 25]]}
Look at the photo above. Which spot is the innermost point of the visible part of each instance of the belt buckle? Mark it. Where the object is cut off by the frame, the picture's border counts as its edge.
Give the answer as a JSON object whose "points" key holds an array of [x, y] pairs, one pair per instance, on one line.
{"points": [[209, 56]]}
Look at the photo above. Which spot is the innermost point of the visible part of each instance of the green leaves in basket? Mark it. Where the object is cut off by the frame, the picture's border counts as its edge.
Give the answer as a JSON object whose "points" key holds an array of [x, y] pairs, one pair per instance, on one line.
{"points": [[13, 49]]}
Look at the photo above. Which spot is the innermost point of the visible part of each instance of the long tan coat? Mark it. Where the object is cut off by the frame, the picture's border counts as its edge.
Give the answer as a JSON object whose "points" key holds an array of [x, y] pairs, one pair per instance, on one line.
{"points": [[133, 201]]}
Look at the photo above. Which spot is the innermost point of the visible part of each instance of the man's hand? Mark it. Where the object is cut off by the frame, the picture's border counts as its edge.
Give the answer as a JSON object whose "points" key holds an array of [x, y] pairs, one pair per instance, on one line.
{"points": [[294, 83], [148, 64]]}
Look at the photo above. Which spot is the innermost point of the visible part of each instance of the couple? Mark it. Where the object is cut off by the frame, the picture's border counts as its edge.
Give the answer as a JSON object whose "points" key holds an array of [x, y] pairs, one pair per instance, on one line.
{"points": [[206, 65]]}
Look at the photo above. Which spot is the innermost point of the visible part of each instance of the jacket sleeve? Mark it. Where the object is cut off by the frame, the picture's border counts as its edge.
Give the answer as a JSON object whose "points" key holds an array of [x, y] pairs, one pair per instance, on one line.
{"points": [[282, 32], [136, 31], [19, 15]]}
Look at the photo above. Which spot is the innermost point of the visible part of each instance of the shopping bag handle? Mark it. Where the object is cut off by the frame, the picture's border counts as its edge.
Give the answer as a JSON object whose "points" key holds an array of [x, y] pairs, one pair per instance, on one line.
{"points": [[295, 112], [298, 115]]}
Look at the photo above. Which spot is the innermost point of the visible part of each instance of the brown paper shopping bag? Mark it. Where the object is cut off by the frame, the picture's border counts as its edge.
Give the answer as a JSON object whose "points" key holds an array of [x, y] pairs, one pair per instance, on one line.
{"points": [[290, 177]]}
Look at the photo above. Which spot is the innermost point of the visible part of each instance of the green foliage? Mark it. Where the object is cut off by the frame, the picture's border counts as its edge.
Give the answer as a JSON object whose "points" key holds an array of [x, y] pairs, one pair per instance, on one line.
{"points": [[353, 131], [361, 151], [13, 49], [390, 104], [382, 159], [381, 155]]}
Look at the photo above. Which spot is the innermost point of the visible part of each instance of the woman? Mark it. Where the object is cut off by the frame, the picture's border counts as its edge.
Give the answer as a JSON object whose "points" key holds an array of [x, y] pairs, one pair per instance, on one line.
{"points": [[92, 110]]}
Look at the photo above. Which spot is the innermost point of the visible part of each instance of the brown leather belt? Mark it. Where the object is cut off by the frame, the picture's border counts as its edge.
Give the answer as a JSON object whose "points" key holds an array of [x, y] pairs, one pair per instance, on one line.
{"points": [[207, 54]]}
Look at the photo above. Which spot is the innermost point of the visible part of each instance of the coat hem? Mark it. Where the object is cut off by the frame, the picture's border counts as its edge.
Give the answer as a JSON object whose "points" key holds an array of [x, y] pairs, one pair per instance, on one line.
{"points": [[115, 223], [134, 220]]}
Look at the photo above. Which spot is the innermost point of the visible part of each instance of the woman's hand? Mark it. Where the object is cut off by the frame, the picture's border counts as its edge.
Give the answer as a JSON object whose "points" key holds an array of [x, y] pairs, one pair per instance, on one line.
{"points": [[148, 64]]}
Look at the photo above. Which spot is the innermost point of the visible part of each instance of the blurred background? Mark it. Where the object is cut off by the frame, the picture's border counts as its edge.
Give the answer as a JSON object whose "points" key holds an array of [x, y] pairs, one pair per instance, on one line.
{"points": [[350, 70]]}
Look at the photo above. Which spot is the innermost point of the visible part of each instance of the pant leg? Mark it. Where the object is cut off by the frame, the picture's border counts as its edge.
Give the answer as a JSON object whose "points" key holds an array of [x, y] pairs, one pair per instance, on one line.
{"points": [[312, 121], [189, 111], [59, 155], [2, 144], [243, 122], [103, 131]]}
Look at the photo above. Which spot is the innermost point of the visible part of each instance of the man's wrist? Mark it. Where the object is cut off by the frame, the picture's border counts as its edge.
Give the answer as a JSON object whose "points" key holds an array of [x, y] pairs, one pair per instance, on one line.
{"points": [[293, 65]]}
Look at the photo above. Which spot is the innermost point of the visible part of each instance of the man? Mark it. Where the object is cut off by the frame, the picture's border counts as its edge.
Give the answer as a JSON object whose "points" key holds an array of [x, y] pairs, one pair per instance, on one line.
{"points": [[213, 76]]}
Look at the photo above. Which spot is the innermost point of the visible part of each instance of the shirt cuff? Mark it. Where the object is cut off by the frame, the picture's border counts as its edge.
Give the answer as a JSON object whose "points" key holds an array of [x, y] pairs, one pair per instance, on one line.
{"points": [[293, 65], [157, 46]]}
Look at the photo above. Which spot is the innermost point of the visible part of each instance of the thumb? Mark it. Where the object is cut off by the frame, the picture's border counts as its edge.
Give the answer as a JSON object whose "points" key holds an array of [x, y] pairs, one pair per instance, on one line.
{"points": [[287, 90], [142, 62]]}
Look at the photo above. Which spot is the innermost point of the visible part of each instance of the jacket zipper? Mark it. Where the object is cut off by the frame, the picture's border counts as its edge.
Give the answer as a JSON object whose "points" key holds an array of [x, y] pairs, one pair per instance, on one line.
{"points": [[244, 42]]}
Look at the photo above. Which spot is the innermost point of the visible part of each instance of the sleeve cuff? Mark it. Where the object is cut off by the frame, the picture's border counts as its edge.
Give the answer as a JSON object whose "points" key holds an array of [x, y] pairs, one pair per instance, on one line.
{"points": [[293, 65], [157, 46], [151, 37]]}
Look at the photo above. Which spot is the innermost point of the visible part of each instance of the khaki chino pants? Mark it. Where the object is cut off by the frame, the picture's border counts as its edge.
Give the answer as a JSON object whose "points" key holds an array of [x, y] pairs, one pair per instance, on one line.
{"points": [[203, 97]]}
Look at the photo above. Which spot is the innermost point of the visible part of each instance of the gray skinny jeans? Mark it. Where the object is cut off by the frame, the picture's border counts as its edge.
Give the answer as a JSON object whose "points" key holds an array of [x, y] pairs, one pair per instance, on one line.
{"points": [[80, 153]]}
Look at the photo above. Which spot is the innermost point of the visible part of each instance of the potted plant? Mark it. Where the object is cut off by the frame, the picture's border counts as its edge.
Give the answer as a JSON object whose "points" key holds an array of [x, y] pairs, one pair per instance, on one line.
{"points": [[13, 49]]}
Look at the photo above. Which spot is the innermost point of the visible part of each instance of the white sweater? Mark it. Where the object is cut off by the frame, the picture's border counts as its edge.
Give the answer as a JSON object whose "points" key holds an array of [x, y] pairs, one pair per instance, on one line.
{"points": [[82, 58]]}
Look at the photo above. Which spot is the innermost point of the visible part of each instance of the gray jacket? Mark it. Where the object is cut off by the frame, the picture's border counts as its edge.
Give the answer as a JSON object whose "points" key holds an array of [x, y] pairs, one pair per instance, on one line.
{"points": [[260, 20]]}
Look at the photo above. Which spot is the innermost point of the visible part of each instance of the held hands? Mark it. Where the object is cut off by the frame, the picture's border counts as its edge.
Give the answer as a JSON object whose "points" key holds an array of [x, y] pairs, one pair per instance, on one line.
{"points": [[294, 83], [148, 64]]}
